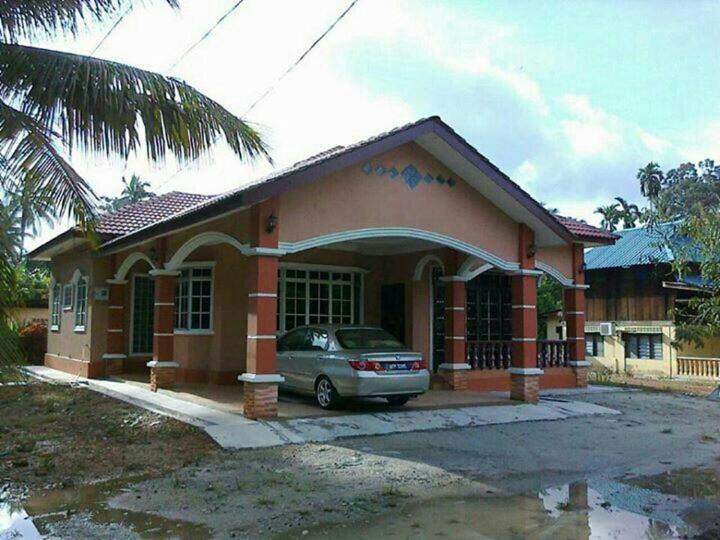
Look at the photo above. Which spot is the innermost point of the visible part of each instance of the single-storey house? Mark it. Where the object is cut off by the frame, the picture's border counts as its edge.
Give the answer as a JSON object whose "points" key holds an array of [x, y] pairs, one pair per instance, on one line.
{"points": [[412, 229], [631, 308]]}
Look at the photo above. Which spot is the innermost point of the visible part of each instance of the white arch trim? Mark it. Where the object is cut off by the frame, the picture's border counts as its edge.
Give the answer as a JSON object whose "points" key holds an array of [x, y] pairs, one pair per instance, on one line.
{"points": [[129, 261], [403, 232], [203, 239], [555, 273], [422, 263], [472, 268], [77, 274]]}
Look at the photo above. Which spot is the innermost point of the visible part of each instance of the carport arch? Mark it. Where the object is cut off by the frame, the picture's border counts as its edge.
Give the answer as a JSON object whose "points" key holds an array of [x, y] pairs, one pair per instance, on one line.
{"points": [[128, 263], [554, 273], [203, 239], [400, 232]]}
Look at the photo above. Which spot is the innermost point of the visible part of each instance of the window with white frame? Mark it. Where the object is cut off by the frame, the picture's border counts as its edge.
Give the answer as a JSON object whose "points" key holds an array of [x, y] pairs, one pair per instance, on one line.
{"points": [[193, 299], [643, 346], [594, 344], [81, 289], [67, 298], [310, 295], [55, 308]]}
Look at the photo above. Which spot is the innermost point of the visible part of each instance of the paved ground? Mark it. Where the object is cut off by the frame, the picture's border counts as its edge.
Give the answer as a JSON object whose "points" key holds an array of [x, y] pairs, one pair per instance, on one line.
{"points": [[654, 466]]}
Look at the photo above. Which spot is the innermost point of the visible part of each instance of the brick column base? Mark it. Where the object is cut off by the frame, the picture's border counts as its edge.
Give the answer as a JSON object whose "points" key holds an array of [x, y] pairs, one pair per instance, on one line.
{"points": [[456, 380], [525, 388], [260, 400], [113, 366], [581, 377], [162, 376]]}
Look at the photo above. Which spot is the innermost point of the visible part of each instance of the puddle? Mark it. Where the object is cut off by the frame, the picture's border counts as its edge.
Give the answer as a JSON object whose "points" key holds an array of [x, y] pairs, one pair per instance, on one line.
{"points": [[45, 514], [604, 510]]}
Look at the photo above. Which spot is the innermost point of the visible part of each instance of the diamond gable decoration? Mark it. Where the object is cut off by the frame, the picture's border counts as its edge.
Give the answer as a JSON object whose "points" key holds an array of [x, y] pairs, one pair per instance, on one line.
{"points": [[380, 170], [367, 168], [392, 172], [440, 179], [451, 182], [429, 178], [411, 176]]}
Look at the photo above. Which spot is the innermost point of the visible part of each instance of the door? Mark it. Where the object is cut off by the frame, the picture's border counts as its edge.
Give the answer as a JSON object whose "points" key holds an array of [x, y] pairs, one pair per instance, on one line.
{"points": [[438, 318], [143, 312], [392, 309]]}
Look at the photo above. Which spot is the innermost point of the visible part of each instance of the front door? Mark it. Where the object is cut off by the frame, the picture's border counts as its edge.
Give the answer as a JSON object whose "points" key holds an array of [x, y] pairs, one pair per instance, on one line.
{"points": [[143, 311], [392, 309]]}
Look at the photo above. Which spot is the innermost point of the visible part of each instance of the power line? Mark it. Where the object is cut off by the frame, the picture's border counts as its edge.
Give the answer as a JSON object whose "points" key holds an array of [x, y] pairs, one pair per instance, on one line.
{"points": [[301, 58], [111, 30], [274, 84], [206, 34]]}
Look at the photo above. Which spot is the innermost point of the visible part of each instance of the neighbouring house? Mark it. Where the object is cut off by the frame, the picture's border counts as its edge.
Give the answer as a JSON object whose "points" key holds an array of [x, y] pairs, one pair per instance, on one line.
{"points": [[34, 310], [633, 293], [412, 229]]}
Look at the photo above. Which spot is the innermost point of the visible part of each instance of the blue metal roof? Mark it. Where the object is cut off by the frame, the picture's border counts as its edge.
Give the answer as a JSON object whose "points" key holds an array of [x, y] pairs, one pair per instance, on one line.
{"points": [[634, 247]]}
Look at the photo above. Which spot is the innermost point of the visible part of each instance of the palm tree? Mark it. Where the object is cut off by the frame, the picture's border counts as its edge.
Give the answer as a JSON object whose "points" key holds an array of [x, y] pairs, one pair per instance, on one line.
{"points": [[136, 189], [32, 210], [628, 213], [610, 216], [54, 102], [651, 178]]}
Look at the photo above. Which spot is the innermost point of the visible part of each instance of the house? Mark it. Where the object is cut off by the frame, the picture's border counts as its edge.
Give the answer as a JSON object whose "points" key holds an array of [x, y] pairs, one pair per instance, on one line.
{"points": [[630, 308], [412, 229]]}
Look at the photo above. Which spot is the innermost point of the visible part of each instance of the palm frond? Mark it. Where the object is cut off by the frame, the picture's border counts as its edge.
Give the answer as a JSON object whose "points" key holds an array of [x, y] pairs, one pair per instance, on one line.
{"points": [[113, 108], [31, 156], [32, 18]]}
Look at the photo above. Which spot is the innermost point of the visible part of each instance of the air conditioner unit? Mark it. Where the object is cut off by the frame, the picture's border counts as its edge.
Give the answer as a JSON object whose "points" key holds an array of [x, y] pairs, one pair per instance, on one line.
{"points": [[607, 329]]}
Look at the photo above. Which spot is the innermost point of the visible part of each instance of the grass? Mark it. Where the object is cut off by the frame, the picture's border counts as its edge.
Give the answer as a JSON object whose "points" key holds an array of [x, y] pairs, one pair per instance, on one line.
{"points": [[54, 434], [694, 388]]}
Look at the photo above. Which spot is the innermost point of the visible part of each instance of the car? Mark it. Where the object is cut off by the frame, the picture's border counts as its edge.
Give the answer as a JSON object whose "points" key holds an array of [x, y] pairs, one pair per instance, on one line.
{"points": [[335, 362]]}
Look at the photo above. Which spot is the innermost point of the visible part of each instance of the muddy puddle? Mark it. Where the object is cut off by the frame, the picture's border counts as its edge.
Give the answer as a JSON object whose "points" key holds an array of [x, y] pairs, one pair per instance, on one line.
{"points": [[680, 504], [46, 515], [582, 510]]}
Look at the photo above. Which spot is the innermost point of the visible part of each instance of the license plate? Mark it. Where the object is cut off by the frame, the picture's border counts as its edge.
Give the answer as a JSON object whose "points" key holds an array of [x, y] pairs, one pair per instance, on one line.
{"points": [[396, 366]]}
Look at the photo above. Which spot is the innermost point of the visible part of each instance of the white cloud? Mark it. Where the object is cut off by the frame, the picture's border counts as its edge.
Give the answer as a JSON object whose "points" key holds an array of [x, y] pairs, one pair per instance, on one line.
{"points": [[526, 173]]}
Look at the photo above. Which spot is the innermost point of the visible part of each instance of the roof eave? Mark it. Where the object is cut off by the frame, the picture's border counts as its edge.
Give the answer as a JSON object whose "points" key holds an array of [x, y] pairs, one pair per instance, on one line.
{"points": [[62, 242]]}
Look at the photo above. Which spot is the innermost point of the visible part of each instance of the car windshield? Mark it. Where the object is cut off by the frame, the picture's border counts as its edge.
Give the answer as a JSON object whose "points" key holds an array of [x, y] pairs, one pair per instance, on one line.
{"points": [[367, 338]]}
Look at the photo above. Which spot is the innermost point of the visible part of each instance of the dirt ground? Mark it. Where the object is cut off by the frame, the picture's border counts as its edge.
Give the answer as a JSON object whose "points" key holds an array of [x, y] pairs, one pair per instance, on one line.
{"points": [[59, 436], [454, 483], [689, 387]]}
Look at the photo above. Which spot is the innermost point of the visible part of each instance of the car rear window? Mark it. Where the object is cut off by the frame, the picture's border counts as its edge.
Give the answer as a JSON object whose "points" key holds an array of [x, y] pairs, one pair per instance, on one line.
{"points": [[367, 338]]}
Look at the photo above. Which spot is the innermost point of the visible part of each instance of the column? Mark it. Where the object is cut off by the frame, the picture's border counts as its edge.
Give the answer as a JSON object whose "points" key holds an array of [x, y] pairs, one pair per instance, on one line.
{"points": [[524, 373], [260, 381], [455, 368], [163, 367], [115, 346], [574, 300]]}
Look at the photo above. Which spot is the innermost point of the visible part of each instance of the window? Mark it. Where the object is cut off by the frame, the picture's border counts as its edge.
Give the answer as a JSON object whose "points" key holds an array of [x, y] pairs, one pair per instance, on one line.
{"points": [[67, 299], [143, 306], [193, 299], [55, 313], [367, 338], [318, 296], [645, 346], [489, 308], [594, 344], [81, 291], [293, 341]]}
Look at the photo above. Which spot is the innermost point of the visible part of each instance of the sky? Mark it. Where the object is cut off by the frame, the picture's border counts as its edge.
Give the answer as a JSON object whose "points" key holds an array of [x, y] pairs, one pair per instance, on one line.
{"points": [[569, 98]]}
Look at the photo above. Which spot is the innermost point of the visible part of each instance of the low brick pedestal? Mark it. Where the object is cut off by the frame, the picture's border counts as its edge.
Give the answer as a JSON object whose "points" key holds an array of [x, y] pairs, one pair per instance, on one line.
{"points": [[113, 364], [525, 388], [455, 376], [581, 369], [260, 400], [162, 374]]}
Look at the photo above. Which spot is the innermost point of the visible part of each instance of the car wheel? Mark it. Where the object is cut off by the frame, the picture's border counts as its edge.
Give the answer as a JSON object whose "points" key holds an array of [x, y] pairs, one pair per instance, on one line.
{"points": [[398, 401], [325, 394]]}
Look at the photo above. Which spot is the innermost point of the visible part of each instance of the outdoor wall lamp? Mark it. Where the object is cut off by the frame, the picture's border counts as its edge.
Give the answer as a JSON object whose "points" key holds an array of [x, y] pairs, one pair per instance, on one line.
{"points": [[531, 250], [152, 253], [271, 223]]}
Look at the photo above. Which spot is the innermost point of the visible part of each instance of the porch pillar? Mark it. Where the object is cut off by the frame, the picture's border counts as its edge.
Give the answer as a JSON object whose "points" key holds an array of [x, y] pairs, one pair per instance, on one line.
{"points": [[455, 367], [115, 342], [524, 373], [574, 300], [163, 367], [260, 381]]}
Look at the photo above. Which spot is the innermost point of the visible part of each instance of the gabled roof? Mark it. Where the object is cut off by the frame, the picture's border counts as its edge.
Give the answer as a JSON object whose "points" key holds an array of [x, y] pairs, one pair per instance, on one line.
{"points": [[635, 247], [175, 210]]}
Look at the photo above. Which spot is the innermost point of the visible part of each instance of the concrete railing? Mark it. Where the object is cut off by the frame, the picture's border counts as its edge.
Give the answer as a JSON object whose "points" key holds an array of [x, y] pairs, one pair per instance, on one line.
{"points": [[698, 367]]}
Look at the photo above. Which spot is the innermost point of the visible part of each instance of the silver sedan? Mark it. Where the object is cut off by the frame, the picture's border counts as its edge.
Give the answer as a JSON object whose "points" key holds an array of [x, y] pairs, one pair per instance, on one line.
{"points": [[333, 362]]}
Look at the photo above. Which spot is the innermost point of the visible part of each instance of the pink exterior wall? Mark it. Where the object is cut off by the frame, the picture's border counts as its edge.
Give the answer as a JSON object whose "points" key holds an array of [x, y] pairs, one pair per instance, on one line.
{"points": [[350, 199], [559, 257]]}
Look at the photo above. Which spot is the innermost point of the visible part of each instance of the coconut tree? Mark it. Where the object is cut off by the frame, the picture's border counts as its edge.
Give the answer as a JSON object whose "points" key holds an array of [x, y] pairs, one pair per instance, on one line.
{"points": [[651, 178], [628, 213], [610, 216], [53, 103]]}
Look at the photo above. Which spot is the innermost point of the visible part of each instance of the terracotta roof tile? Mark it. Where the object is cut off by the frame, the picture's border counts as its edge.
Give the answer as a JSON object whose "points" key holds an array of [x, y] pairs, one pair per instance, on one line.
{"points": [[583, 230], [135, 216]]}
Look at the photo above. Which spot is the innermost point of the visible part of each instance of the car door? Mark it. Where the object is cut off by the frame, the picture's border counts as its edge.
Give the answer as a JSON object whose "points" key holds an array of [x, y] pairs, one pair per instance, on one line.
{"points": [[287, 348], [306, 360]]}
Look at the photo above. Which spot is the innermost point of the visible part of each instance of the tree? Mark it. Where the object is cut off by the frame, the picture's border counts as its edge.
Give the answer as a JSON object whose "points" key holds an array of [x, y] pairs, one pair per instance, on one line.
{"points": [[628, 213], [53, 103], [135, 190], [651, 178], [30, 210], [686, 214], [610, 216]]}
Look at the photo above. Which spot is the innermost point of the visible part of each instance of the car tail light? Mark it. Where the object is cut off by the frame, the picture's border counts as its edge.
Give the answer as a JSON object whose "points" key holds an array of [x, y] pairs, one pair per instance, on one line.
{"points": [[417, 366], [365, 365]]}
